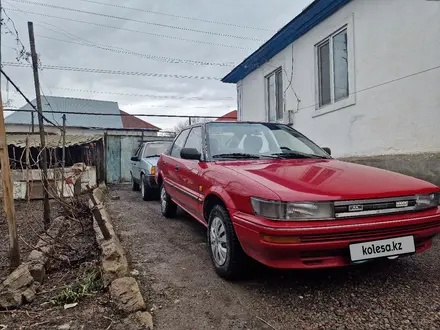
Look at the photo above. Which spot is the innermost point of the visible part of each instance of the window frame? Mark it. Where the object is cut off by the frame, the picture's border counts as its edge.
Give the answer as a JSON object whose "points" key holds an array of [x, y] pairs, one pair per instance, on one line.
{"points": [[201, 137], [175, 140], [138, 150], [279, 98], [345, 24]]}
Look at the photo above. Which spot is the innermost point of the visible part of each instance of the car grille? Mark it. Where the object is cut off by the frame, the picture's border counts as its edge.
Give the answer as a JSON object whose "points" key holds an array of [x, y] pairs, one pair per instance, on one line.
{"points": [[371, 233], [372, 207]]}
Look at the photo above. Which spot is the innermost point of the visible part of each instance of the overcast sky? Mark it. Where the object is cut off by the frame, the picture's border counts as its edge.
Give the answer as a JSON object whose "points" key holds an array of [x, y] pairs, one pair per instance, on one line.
{"points": [[218, 98]]}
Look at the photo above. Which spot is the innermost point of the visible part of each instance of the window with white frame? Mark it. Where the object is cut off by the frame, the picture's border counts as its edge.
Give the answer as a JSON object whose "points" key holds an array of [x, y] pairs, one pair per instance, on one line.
{"points": [[274, 95], [333, 75]]}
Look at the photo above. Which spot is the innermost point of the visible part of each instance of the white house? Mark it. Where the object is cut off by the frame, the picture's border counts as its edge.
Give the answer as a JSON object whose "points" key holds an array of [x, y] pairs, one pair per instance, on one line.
{"points": [[359, 76]]}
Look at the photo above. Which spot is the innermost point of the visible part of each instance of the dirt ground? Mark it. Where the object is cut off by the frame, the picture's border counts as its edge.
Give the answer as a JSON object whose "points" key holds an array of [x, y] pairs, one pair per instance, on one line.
{"points": [[29, 217], [183, 291], [74, 265]]}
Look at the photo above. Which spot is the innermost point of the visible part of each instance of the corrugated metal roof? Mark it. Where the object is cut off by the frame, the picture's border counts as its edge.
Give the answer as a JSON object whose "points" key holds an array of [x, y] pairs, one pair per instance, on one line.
{"points": [[66, 105], [52, 141]]}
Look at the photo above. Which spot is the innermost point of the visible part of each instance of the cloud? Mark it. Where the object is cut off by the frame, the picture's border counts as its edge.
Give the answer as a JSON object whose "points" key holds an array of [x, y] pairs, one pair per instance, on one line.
{"points": [[254, 13]]}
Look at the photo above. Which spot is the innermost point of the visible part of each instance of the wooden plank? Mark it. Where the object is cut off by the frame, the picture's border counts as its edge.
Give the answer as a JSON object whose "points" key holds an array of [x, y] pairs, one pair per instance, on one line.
{"points": [[8, 197]]}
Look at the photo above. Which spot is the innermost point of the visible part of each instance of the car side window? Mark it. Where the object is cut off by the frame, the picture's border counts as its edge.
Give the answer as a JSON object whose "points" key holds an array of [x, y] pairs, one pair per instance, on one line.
{"points": [[195, 139], [179, 143], [138, 149]]}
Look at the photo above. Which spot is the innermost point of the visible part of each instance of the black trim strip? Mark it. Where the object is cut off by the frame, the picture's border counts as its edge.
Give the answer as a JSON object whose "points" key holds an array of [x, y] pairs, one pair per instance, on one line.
{"points": [[197, 198]]}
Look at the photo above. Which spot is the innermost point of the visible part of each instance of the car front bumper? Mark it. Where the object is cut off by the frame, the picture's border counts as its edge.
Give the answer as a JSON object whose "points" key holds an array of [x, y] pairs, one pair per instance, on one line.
{"points": [[322, 244]]}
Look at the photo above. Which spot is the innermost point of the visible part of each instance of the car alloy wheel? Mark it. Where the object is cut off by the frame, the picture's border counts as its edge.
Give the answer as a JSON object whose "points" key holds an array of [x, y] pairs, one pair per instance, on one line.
{"points": [[219, 247], [142, 186], [227, 255], [163, 198], [167, 206]]}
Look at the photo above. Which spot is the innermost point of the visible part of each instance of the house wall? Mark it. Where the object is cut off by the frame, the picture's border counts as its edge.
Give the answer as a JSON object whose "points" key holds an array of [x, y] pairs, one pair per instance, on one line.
{"points": [[386, 115]]}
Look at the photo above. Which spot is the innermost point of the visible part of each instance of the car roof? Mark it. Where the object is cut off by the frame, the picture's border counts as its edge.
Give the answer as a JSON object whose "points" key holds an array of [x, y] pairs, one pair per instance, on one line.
{"points": [[229, 122]]}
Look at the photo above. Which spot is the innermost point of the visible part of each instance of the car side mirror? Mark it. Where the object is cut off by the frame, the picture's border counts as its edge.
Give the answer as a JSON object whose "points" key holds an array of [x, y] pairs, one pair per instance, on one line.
{"points": [[190, 153], [135, 159], [327, 150]]}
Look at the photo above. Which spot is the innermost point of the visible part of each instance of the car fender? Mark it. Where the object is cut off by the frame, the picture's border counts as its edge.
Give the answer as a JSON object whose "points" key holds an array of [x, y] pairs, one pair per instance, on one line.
{"points": [[222, 194]]}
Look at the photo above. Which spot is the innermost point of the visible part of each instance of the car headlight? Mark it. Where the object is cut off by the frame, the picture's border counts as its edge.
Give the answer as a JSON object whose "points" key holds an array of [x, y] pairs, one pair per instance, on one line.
{"points": [[292, 211], [427, 201]]}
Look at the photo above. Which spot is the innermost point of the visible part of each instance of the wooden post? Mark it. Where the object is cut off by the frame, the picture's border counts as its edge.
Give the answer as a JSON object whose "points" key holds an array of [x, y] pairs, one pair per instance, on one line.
{"points": [[189, 121], [32, 122], [41, 127], [63, 159], [8, 197]]}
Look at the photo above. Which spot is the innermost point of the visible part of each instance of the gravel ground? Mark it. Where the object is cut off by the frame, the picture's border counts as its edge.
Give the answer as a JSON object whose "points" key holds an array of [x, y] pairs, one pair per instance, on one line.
{"points": [[184, 292]]}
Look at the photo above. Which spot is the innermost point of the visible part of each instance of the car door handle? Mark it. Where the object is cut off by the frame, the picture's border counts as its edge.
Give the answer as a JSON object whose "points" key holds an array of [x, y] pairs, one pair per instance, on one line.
{"points": [[177, 168]]}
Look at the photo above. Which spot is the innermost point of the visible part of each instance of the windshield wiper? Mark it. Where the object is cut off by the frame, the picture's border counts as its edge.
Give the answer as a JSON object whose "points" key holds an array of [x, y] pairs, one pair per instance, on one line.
{"points": [[242, 155], [297, 154], [238, 155], [152, 156]]}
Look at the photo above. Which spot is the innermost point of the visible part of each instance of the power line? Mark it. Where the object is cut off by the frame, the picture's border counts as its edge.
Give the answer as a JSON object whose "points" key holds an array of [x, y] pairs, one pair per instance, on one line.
{"points": [[136, 21], [27, 100], [129, 30], [160, 97], [113, 72], [88, 43], [178, 16], [145, 56], [122, 114]]}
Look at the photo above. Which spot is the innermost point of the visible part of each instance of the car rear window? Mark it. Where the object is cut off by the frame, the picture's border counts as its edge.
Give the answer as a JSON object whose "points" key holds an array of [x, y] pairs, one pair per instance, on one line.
{"points": [[156, 149]]}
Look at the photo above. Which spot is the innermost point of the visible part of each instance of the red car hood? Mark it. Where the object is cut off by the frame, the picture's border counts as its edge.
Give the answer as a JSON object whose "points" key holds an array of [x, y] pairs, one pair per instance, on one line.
{"points": [[317, 179]]}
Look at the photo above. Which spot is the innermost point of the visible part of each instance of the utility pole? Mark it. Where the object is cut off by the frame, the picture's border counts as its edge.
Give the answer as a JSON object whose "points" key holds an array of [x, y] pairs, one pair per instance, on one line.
{"points": [[8, 192], [41, 127], [32, 120], [8, 197], [63, 160]]}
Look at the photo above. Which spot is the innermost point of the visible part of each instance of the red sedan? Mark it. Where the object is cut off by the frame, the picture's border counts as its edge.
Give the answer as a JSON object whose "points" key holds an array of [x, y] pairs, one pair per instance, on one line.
{"points": [[267, 192]]}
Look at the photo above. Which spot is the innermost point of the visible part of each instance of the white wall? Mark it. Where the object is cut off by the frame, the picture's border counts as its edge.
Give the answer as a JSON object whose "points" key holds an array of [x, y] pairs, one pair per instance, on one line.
{"points": [[391, 39]]}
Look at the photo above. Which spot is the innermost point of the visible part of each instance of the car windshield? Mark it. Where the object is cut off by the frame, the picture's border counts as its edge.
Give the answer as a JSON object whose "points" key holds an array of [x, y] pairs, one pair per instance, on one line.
{"points": [[258, 140], [156, 149]]}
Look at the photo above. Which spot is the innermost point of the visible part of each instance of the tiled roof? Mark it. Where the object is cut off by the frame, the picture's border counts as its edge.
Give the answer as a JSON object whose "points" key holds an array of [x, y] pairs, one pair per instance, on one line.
{"points": [[68, 105], [230, 116], [130, 121]]}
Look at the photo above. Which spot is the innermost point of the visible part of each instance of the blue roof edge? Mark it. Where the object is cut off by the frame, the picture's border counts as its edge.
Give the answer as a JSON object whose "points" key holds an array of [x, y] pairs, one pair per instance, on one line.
{"points": [[314, 14]]}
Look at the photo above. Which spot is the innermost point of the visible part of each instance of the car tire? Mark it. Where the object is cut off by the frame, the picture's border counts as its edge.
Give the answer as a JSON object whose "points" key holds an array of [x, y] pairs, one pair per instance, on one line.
{"points": [[134, 184], [147, 192], [231, 262], [167, 206]]}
